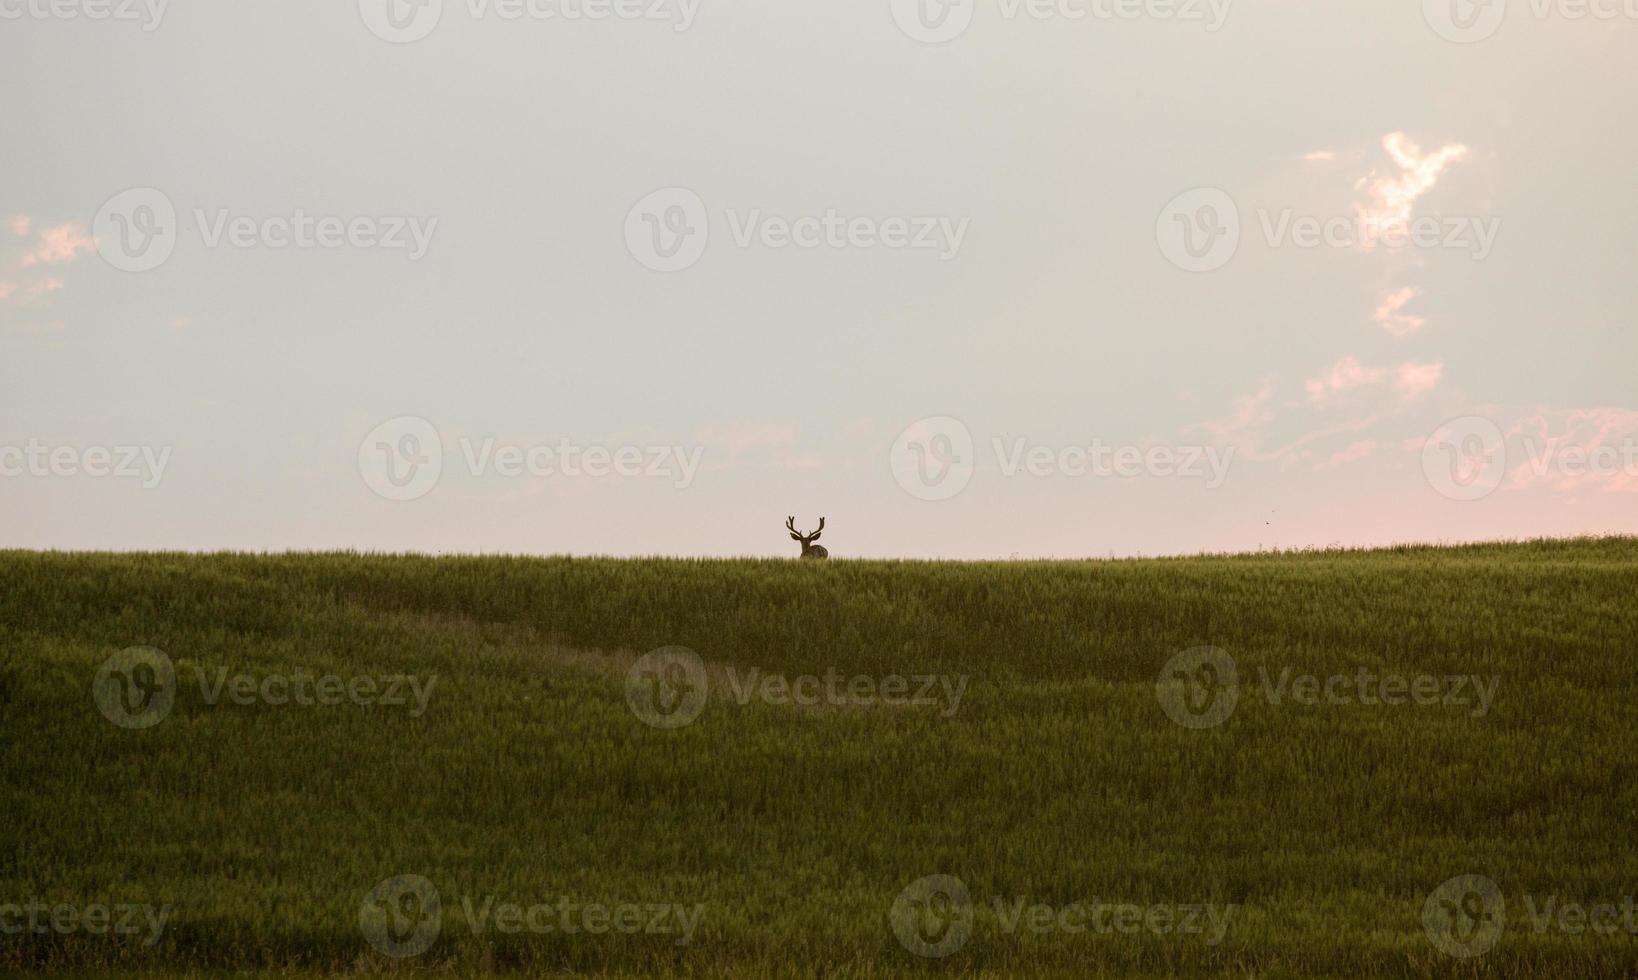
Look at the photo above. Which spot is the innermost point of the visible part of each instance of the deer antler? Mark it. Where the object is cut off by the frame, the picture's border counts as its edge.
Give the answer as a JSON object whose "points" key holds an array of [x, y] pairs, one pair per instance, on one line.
{"points": [[815, 535], [790, 525]]}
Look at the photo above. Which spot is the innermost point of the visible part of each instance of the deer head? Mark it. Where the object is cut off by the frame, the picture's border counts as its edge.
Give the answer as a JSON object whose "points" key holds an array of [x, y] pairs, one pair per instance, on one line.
{"points": [[809, 549]]}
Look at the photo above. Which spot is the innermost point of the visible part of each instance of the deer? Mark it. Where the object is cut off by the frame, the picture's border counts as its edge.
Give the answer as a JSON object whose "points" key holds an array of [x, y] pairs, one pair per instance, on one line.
{"points": [[809, 549]]}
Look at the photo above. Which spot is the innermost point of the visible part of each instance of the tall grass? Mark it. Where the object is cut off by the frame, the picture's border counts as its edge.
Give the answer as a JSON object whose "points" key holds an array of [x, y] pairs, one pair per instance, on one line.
{"points": [[1058, 778]]}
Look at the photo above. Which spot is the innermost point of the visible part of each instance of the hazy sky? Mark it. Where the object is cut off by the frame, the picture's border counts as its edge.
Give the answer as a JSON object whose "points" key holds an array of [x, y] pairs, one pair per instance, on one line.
{"points": [[977, 279]]}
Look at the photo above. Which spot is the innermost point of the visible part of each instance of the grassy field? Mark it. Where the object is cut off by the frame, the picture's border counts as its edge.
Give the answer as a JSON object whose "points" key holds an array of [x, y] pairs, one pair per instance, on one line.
{"points": [[505, 762]]}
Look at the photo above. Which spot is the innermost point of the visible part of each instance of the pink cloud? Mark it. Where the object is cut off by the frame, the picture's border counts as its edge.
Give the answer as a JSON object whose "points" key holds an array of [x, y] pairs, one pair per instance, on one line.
{"points": [[1250, 428], [1573, 449], [6, 289], [1251, 411], [759, 442], [1410, 380], [1353, 453], [1393, 197], [1319, 156], [1345, 374], [1392, 320], [1416, 380], [43, 287], [741, 436], [56, 245], [20, 225]]}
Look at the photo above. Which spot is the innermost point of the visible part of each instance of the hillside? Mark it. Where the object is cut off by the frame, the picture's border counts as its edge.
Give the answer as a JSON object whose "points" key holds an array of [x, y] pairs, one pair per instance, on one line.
{"points": [[1259, 764]]}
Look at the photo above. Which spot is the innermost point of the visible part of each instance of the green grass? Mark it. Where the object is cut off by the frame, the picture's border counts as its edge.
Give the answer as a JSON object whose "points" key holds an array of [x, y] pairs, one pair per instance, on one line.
{"points": [[1058, 779]]}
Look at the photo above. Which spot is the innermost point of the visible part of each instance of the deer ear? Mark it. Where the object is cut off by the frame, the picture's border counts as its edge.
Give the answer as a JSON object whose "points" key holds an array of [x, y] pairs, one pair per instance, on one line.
{"points": [[815, 536], [795, 536]]}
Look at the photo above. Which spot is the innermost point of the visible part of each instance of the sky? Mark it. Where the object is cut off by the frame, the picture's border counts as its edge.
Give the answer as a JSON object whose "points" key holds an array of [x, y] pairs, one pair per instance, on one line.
{"points": [[967, 278]]}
